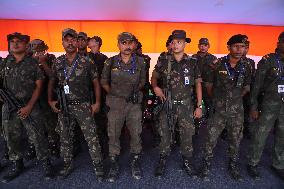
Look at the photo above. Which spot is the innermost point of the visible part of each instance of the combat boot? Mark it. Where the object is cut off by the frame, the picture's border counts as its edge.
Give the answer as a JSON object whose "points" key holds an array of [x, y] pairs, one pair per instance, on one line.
{"points": [[160, 170], [187, 166], [48, 172], [67, 169], [6, 151], [17, 169], [278, 172], [114, 169], [205, 169], [99, 171], [234, 170], [54, 150], [135, 167], [31, 153], [253, 171]]}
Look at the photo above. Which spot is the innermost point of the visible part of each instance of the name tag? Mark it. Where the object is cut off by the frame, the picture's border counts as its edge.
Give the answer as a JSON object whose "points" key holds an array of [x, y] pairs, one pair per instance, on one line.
{"points": [[186, 80], [280, 88], [66, 89]]}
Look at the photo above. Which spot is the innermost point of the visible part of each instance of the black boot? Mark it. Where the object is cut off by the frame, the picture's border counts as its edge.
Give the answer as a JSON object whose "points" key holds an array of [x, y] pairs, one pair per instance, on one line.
{"points": [[6, 151], [253, 171], [31, 153], [18, 167], [67, 169], [54, 150], [114, 169], [234, 170], [205, 169], [187, 166], [99, 171], [278, 172], [48, 171], [160, 170], [135, 167]]}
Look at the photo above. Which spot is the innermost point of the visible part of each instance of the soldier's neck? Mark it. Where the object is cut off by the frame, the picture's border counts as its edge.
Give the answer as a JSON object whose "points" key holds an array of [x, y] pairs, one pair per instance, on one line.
{"points": [[82, 51], [233, 61], [19, 57], [70, 57], [179, 56], [125, 57]]}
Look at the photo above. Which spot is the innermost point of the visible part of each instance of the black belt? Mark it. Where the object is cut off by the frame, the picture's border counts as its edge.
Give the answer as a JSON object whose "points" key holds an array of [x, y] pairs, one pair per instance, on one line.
{"points": [[178, 102]]}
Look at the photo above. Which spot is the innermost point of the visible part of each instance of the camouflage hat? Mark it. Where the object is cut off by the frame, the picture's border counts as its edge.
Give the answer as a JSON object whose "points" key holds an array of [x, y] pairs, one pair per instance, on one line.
{"points": [[170, 38], [97, 39], [38, 45], [204, 41], [83, 35], [245, 37], [281, 37], [69, 31], [239, 38], [19, 36], [180, 34], [126, 36]]}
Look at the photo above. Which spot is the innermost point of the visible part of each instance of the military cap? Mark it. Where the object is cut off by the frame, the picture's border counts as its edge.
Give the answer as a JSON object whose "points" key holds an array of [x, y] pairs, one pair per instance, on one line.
{"points": [[97, 39], [69, 31], [246, 40], [170, 38], [38, 45], [204, 41], [281, 37], [239, 38], [83, 35], [180, 34], [20, 36], [126, 36]]}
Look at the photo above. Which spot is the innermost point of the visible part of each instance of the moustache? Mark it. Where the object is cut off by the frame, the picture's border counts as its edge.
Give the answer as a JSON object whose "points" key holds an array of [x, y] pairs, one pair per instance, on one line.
{"points": [[128, 49], [70, 46]]}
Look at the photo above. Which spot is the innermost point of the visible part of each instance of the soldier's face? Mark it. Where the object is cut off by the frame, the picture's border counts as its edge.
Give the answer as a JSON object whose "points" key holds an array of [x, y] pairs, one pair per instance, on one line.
{"points": [[203, 47], [82, 43], [126, 47], [178, 45], [69, 44], [18, 46], [94, 45], [237, 50]]}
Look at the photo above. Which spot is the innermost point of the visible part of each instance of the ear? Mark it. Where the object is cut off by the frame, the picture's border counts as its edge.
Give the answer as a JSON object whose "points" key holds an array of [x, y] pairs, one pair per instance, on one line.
{"points": [[228, 47]]}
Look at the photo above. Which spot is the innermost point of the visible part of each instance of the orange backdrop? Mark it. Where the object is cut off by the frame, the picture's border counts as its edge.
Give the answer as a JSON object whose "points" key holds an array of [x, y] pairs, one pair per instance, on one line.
{"points": [[151, 34]]}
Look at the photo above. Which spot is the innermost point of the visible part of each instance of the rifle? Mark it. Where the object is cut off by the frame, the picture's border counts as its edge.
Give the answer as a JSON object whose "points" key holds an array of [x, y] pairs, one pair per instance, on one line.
{"points": [[170, 114], [63, 106]]}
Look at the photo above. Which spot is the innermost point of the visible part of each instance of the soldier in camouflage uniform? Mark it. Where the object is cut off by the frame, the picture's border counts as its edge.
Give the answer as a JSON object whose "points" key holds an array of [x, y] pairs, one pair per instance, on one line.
{"points": [[95, 43], [123, 78], [82, 44], [179, 73], [24, 79], [227, 85], [49, 118], [269, 80], [206, 63], [76, 74]]}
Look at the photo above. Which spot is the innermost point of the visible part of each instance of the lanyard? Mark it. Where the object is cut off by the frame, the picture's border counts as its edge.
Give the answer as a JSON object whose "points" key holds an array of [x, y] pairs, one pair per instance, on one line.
{"points": [[133, 66], [74, 66]]}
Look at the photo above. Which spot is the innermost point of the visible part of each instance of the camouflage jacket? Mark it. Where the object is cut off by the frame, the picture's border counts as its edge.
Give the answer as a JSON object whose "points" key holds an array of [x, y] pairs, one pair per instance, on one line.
{"points": [[81, 76], [228, 84], [205, 64], [252, 65], [124, 79], [183, 75], [20, 78], [99, 60], [269, 75]]}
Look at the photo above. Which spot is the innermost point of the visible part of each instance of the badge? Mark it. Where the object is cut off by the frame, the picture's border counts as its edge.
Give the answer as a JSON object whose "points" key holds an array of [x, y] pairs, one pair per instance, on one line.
{"points": [[280, 88], [66, 89], [186, 80], [185, 70]]}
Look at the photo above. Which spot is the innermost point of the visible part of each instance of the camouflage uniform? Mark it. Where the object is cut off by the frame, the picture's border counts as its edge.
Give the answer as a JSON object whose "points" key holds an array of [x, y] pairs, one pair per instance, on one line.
{"points": [[269, 75], [78, 105], [227, 104], [123, 84], [20, 79], [183, 112]]}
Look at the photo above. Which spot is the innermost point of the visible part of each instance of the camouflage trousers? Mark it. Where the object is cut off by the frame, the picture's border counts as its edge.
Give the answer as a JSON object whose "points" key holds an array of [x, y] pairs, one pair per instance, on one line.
{"points": [[121, 111], [234, 126], [183, 120], [268, 118], [49, 120], [13, 133], [101, 123], [82, 115]]}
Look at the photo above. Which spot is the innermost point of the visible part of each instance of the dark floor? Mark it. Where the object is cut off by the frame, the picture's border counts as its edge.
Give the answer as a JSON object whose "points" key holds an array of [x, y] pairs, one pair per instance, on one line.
{"points": [[83, 176]]}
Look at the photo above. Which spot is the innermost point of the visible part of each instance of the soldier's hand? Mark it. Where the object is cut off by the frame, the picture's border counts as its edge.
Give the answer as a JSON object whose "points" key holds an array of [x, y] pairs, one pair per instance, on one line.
{"points": [[25, 111], [197, 113], [95, 108], [158, 91], [254, 114], [52, 104]]}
